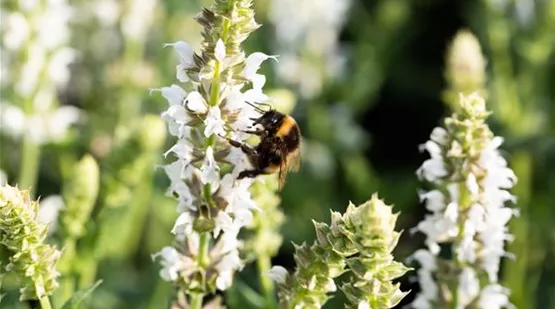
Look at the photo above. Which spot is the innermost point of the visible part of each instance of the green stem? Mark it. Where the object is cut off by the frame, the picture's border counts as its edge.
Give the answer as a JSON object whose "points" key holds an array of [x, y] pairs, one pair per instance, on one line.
{"points": [[45, 302], [204, 242], [203, 249], [65, 266], [263, 262], [29, 167], [196, 300]]}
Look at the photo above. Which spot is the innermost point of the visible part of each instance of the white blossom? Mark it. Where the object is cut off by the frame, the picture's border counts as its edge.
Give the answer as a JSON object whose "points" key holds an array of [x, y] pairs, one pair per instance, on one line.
{"points": [[49, 208], [278, 274], [172, 263], [43, 127], [311, 28]]}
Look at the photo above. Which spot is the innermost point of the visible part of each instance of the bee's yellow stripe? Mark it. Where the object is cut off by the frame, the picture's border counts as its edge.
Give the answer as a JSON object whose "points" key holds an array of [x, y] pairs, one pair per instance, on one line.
{"points": [[286, 126], [271, 169]]}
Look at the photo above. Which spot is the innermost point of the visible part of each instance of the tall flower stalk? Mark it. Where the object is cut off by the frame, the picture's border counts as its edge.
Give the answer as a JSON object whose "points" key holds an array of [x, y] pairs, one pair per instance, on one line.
{"points": [[212, 203], [36, 67], [469, 180]]}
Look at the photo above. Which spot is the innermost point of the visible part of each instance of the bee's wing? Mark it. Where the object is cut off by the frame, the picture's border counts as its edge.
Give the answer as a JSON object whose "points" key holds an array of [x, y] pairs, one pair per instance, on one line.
{"points": [[290, 163], [283, 169], [294, 161]]}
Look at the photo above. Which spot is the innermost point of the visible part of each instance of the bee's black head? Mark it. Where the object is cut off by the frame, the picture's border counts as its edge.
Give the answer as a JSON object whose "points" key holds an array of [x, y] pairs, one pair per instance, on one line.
{"points": [[270, 120]]}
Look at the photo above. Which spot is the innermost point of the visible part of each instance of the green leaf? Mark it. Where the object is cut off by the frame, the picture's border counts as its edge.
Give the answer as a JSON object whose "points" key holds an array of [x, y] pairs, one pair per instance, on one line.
{"points": [[79, 296], [240, 295]]}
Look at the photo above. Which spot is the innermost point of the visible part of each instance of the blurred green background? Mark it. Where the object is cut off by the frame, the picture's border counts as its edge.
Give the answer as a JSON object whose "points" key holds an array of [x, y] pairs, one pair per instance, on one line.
{"points": [[368, 90]]}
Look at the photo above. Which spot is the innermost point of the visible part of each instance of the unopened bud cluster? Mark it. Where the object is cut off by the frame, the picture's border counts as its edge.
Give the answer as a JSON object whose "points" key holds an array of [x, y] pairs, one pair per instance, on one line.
{"points": [[23, 235], [359, 243]]}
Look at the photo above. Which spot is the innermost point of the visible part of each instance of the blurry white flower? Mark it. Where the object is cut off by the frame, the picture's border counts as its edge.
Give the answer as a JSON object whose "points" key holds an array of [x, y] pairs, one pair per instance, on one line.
{"points": [[137, 19], [49, 208], [42, 128], [307, 40], [363, 305], [17, 30], [172, 263], [3, 178], [278, 274], [219, 50], [494, 296], [106, 11]]}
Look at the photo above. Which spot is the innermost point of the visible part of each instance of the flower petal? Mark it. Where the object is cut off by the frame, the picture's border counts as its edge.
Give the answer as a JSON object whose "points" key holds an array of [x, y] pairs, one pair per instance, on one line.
{"points": [[196, 103], [219, 50], [253, 63], [184, 51]]}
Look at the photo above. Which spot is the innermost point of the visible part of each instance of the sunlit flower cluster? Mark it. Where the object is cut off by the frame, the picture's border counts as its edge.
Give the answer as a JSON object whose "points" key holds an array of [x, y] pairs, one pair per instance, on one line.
{"points": [[35, 60], [307, 41], [203, 177], [468, 212]]}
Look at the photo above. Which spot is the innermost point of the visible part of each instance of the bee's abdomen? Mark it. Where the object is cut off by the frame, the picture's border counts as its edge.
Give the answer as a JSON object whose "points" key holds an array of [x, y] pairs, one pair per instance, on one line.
{"points": [[292, 139]]}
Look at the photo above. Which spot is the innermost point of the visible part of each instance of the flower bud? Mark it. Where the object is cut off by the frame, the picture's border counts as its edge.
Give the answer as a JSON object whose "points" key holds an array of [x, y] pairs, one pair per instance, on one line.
{"points": [[79, 192]]}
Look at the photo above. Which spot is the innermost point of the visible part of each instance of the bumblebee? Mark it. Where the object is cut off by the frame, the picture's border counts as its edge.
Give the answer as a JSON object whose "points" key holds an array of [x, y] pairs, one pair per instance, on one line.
{"points": [[279, 146]]}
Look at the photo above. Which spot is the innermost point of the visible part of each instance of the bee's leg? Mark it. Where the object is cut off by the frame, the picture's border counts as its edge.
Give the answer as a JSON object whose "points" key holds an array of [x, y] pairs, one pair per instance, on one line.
{"points": [[249, 174], [244, 147], [259, 132]]}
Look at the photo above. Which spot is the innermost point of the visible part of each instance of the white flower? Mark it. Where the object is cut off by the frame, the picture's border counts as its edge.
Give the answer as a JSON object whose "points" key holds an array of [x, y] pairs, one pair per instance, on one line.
{"points": [[219, 50], [426, 260], [432, 170], [49, 208], [12, 119], [226, 267], [214, 122], [253, 62], [137, 19], [29, 78], [469, 287], [17, 30], [183, 226], [185, 53], [58, 66], [54, 19], [172, 263], [363, 305], [210, 169], [107, 11], [278, 274], [494, 296], [173, 94], [43, 127], [3, 178]]}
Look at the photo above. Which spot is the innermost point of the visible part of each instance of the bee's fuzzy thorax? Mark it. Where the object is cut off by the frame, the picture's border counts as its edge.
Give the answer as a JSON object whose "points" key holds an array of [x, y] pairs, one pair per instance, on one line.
{"points": [[287, 124]]}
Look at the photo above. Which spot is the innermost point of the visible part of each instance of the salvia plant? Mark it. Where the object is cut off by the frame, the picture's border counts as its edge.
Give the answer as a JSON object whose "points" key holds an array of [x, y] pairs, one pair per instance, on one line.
{"points": [[23, 235], [469, 181], [213, 205], [55, 249]]}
